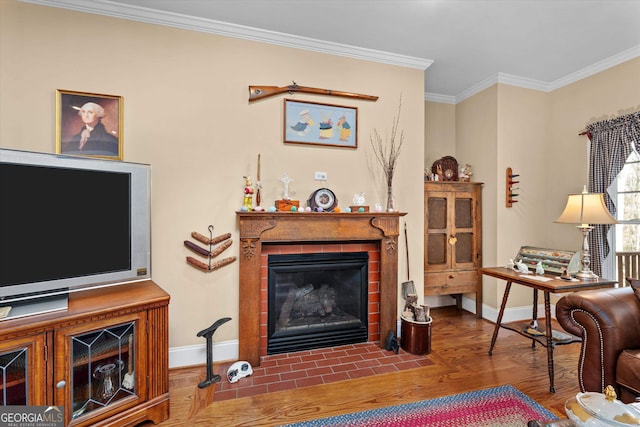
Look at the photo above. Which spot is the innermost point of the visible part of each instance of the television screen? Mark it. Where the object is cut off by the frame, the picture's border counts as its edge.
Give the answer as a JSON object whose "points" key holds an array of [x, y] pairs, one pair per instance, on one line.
{"points": [[69, 223], [59, 223]]}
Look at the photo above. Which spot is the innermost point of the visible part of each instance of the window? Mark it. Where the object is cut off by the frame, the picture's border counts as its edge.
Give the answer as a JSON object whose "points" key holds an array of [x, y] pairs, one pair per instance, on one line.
{"points": [[627, 236], [624, 236]]}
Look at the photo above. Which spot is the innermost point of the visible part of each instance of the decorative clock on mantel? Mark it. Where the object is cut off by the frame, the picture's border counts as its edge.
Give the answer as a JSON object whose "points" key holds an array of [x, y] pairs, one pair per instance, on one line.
{"points": [[446, 168], [323, 199]]}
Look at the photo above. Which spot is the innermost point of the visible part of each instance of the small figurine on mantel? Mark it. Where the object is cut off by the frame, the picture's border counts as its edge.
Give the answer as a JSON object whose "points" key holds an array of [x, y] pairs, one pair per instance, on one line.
{"points": [[248, 193], [286, 181], [286, 203], [359, 203]]}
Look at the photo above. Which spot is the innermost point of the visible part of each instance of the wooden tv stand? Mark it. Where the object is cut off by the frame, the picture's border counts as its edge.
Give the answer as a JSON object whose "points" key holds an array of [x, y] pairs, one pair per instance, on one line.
{"points": [[64, 358]]}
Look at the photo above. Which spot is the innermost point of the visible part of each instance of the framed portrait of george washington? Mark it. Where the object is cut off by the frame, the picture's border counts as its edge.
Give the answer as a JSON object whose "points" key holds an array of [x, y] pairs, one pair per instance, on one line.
{"points": [[89, 124]]}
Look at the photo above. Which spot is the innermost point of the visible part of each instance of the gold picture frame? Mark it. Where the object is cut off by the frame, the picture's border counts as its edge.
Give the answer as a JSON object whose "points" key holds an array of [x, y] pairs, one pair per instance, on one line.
{"points": [[89, 124]]}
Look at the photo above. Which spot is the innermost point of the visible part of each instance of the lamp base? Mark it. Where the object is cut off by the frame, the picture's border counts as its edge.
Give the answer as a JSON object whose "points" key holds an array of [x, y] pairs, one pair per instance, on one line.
{"points": [[586, 275], [585, 272]]}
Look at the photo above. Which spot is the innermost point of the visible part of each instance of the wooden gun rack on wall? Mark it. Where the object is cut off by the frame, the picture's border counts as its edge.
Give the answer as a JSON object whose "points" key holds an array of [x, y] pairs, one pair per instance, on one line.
{"points": [[510, 195]]}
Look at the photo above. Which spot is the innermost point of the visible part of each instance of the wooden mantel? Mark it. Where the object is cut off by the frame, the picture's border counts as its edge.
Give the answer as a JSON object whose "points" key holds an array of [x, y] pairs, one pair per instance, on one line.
{"points": [[257, 228]]}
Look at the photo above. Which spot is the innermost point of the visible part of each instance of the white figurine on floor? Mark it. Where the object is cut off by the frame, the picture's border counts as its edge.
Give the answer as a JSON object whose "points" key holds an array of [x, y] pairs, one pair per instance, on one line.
{"points": [[522, 268], [539, 268]]}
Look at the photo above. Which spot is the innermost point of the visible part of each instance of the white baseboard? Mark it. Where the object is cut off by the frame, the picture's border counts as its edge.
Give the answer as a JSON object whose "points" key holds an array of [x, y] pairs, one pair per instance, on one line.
{"points": [[511, 314], [192, 355]]}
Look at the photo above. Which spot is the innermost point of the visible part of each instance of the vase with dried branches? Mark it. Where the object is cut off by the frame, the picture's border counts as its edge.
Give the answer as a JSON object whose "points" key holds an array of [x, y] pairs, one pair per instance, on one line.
{"points": [[387, 150]]}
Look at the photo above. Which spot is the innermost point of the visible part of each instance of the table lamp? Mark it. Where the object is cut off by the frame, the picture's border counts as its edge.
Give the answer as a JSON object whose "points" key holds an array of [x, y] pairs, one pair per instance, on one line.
{"points": [[586, 209]]}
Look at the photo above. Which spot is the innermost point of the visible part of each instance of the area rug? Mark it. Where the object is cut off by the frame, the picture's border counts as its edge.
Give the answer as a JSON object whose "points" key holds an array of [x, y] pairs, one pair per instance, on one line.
{"points": [[503, 406]]}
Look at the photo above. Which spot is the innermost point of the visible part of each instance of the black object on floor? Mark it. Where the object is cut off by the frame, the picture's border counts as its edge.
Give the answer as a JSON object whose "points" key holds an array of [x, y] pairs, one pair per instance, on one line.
{"points": [[208, 335], [392, 343]]}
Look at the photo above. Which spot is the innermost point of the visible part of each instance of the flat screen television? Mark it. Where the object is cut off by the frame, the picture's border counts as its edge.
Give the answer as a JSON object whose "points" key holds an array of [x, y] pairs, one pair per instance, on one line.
{"points": [[70, 223]]}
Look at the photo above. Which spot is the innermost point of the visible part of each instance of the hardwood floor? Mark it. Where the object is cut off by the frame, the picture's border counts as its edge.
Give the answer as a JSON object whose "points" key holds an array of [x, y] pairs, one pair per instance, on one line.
{"points": [[459, 344]]}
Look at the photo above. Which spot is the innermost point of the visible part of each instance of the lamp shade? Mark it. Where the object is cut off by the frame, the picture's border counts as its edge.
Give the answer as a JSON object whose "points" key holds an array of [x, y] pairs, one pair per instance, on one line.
{"points": [[586, 208]]}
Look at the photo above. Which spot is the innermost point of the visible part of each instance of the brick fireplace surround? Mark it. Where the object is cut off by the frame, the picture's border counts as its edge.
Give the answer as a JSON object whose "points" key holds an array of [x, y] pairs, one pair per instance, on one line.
{"points": [[306, 232], [373, 294]]}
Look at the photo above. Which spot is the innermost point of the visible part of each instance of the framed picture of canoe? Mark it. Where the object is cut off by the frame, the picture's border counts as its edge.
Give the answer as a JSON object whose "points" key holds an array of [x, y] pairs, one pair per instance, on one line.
{"points": [[320, 124]]}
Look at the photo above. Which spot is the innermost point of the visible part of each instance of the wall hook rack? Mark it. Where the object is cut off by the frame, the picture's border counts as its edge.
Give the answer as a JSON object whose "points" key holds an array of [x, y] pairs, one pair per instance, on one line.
{"points": [[212, 252], [511, 196]]}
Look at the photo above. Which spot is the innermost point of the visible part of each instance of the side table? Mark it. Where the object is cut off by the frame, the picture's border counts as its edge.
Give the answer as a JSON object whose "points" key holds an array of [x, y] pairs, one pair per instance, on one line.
{"points": [[547, 284]]}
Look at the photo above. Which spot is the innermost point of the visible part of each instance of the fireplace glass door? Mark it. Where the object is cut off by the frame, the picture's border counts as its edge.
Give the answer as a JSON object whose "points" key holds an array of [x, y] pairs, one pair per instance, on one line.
{"points": [[317, 300]]}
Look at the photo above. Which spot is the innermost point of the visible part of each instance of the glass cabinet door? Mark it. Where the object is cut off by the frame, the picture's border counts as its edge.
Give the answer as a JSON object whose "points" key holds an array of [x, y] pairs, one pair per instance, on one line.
{"points": [[450, 230], [102, 367], [95, 367], [437, 232], [13, 376], [22, 367], [464, 230]]}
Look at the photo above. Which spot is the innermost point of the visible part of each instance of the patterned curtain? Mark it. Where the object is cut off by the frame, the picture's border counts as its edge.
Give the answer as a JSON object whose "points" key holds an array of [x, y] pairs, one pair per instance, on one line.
{"points": [[612, 141]]}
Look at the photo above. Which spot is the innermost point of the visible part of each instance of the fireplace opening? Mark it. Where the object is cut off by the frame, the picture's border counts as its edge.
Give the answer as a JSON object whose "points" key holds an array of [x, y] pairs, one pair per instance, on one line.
{"points": [[316, 300]]}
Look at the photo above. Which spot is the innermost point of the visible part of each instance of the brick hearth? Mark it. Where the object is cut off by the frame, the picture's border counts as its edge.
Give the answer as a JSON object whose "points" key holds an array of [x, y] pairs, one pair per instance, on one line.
{"points": [[312, 367]]}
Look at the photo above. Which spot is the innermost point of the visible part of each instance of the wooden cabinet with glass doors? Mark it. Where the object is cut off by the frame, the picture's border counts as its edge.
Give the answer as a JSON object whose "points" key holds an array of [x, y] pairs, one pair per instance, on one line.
{"points": [[453, 240], [104, 359]]}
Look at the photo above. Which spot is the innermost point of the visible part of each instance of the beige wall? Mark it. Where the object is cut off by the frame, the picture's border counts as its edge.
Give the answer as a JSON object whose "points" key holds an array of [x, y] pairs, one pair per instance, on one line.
{"points": [[608, 94], [521, 136], [186, 112], [439, 133], [476, 144], [536, 134]]}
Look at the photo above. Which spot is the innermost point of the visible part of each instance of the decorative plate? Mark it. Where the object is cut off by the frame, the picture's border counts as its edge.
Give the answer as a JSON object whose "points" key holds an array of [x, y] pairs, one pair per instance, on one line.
{"points": [[600, 409]]}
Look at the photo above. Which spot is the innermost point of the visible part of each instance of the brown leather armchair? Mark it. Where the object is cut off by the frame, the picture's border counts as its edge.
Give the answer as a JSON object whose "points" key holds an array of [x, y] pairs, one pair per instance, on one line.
{"points": [[608, 321]]}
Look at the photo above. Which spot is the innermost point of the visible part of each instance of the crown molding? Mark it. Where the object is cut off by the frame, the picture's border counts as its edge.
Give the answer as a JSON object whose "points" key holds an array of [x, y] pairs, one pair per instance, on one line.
{"points": [[147, 15], [512, 80], [477, 88], [437, 97], [523, 82], [151, 16], [503, 78], [596, 68]]}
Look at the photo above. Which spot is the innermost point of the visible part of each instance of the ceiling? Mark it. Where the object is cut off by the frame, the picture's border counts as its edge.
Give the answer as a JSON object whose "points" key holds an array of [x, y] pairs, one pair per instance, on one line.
{"points": [[460, 43]]}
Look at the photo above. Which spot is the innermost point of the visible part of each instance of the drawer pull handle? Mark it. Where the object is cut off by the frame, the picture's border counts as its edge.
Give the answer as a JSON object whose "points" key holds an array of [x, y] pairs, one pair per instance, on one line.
{"points": [[61, 384], [451, 276]]}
